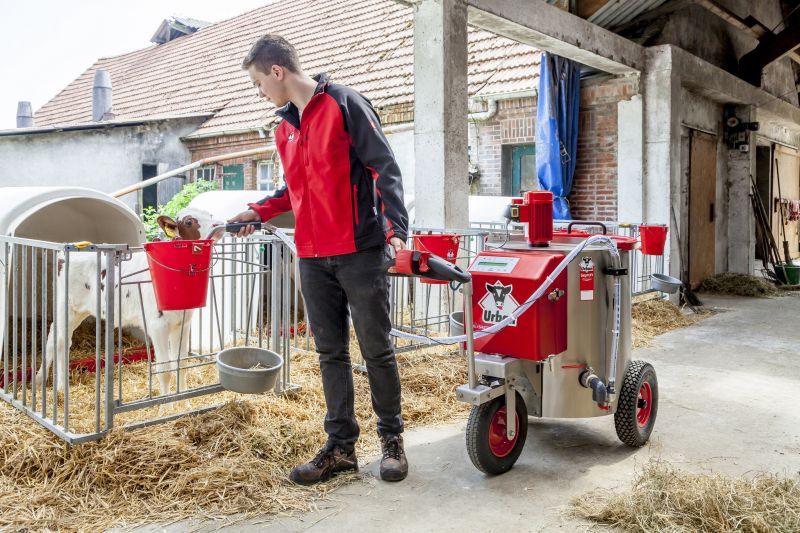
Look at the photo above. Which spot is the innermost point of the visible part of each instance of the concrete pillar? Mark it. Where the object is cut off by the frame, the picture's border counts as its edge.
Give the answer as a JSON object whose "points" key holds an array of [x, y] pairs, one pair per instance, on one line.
{"points": [[741, 222], [441, 184], [661, 181], [630, 159]]}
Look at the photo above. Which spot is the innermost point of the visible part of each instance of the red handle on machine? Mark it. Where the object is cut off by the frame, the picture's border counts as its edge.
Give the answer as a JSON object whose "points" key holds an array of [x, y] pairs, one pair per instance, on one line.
{"points": [[426, 265]]}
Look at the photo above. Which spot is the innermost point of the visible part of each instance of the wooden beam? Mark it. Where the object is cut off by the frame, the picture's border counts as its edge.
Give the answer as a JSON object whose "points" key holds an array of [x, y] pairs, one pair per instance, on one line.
{"points": [[771, 48], [731, 18], [545, 27], [587, 8]]}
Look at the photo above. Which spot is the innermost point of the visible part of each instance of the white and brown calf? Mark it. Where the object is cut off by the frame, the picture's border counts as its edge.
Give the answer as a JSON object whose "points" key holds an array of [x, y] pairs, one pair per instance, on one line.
{"points": [[166, 329]]}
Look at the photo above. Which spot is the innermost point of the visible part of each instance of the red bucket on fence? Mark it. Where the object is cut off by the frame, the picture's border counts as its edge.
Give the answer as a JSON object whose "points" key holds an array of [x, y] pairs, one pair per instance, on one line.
{"points": [[445, 245], [180, 271], [653, 239]]}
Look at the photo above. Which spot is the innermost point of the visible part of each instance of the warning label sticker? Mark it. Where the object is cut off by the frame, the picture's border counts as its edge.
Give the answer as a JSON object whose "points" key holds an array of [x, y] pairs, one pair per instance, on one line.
{"points": [[498, 303], [587, 278]]}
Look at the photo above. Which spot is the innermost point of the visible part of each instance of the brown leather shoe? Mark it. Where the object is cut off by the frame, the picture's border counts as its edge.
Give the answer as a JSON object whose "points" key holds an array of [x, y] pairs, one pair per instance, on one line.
{"points": [[323, 466], [394, 465]]}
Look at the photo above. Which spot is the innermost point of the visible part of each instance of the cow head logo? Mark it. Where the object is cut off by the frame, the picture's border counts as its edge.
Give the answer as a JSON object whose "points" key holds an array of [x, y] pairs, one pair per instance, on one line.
{"points": [[499, 293], [498, 303]]}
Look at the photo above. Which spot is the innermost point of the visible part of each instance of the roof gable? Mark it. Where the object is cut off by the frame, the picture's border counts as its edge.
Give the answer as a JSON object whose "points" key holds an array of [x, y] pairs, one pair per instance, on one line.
{"points": [[366, 44]]}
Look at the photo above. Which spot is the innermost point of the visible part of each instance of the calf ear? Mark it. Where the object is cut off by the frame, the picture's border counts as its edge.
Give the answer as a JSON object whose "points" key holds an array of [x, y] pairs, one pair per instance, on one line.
{"points": [[169, 226]]}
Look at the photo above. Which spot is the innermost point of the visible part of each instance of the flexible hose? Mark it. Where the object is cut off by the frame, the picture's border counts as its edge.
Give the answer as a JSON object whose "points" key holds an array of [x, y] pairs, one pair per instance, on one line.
{"points": [[600, 240]]}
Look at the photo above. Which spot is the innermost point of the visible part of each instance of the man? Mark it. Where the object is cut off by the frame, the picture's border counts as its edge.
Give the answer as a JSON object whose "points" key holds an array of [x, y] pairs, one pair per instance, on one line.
{"points": [[344, 187]]}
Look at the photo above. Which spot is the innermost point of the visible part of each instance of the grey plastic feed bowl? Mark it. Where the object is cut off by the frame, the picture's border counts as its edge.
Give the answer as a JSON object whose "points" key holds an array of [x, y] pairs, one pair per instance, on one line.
{"points": [[248, 370], [663, 283]]}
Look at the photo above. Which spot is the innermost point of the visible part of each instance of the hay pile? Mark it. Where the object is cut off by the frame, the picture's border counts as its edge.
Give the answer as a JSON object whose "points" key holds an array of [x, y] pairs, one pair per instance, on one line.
{"points": [[735, 284], [231, 461], [654, 317], [663, 498]]}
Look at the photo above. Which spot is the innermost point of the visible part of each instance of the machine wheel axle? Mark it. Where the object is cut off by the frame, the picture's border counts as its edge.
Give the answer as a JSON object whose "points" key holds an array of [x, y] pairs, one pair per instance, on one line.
{"points": [[638, 404], [488, 445]]}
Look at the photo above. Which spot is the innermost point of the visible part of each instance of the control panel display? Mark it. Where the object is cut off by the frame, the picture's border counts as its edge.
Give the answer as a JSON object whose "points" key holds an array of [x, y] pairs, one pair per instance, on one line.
{"points": [[498, 265]]}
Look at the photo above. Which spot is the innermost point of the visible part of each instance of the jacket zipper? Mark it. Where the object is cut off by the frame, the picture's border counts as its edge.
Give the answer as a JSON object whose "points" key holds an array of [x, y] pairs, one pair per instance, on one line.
{"points": [[304, 150], [355, 201]]}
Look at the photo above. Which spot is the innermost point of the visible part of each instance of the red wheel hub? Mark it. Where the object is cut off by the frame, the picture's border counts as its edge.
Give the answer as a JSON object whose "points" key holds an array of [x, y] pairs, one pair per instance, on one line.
{"points": [[498, 440], [644, 404]]}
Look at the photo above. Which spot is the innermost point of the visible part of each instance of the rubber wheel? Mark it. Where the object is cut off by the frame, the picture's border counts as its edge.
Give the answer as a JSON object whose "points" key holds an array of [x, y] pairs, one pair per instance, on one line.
{"points": [[638, 404], [487, 444]]}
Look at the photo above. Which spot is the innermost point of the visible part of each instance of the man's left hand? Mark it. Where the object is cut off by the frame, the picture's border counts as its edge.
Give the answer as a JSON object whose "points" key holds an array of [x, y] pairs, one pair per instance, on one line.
{"points": [[397, 243]]}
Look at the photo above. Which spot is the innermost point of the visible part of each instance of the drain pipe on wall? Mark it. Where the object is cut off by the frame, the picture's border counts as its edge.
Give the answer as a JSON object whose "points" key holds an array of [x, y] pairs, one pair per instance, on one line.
{"points": [[191, 166]]}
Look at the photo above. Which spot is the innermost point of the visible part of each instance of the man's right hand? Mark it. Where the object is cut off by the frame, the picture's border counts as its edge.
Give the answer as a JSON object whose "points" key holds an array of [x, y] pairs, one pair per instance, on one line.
{"points": [[246, 216]]}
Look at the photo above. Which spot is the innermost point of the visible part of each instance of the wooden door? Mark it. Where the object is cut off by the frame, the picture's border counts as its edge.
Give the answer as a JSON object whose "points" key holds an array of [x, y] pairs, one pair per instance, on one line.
{"points": [[702, 198], [786, 165], [233, 177], [523, 169]]}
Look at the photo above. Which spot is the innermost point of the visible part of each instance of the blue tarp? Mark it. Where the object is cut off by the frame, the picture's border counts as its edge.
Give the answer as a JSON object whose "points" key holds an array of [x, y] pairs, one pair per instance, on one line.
{"points": [[557, 129]]}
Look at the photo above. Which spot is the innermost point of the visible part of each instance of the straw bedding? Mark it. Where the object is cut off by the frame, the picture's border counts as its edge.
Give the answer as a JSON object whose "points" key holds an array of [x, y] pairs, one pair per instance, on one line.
{"points": [[735, 284], [663, 498], [230, 461], [655, 317]]}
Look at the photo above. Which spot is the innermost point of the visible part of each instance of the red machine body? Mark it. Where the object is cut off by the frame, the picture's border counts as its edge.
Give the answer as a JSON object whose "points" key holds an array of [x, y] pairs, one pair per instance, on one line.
{"points": [[502, 281], [536, 210]]}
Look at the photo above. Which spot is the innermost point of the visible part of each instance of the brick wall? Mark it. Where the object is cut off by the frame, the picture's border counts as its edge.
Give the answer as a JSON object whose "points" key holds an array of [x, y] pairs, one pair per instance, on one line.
{"points": [[594, 188], [214, 146], [594, 192], [513, 124], [396, 114]]}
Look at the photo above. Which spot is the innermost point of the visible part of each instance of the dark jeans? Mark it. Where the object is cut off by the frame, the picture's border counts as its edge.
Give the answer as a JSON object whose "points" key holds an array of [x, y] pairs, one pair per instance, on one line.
{"points": [[329, 285]]}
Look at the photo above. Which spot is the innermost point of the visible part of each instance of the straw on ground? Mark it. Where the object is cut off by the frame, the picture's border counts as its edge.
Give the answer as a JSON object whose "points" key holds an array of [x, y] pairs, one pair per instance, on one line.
{"points": [[663, 498]]}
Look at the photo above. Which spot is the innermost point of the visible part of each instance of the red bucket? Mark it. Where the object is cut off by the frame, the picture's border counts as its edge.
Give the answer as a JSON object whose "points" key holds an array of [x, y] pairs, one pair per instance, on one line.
{"points": [[653, 238], [444, 245], [180, 272]]}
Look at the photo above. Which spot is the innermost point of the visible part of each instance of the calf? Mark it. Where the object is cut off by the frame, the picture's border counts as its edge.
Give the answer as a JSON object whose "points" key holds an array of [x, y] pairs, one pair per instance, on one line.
{"points": [[166, 329]]}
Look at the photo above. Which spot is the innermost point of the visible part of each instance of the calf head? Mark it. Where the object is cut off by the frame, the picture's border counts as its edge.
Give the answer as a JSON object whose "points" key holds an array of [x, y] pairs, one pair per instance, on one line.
{"points": [[189, 224]]}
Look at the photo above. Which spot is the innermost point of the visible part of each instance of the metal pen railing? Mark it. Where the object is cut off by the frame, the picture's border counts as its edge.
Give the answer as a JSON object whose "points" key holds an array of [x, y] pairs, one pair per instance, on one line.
{"points": [[49, 289]]}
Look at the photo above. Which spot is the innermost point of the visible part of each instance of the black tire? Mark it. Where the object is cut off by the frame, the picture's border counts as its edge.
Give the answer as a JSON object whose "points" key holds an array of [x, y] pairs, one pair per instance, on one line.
{"points": [[636, 415], [498, 455]]}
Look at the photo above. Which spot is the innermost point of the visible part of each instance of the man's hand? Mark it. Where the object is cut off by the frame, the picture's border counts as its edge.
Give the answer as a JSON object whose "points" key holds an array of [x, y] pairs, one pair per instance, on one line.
{"points": [[397, 243], [246, 216]]}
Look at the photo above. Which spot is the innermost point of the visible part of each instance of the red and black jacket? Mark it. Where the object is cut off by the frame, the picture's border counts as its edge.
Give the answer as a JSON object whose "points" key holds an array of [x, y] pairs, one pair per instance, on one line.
{"points": [[342, 180]]}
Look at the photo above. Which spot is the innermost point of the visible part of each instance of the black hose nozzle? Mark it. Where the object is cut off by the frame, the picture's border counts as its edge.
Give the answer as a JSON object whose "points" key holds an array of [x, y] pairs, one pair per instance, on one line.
{"points": [[599, 391]]}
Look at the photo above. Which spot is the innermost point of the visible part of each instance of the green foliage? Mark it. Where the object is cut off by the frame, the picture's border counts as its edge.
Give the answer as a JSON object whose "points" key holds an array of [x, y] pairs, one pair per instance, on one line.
{"points": [[174, 206]]}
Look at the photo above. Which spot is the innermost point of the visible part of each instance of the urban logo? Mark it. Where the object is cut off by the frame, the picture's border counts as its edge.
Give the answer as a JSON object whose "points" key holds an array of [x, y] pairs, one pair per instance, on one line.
{"points": [[498, 303]]}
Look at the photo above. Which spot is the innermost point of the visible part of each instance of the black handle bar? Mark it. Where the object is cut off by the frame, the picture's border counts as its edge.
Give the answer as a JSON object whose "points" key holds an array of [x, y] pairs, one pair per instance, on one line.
{"points": [[446, 271], [236, 226], [586, 223]]}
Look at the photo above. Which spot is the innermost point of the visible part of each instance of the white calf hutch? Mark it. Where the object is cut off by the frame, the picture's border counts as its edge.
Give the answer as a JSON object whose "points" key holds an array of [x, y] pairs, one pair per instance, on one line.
{"points": [[70, 253]]}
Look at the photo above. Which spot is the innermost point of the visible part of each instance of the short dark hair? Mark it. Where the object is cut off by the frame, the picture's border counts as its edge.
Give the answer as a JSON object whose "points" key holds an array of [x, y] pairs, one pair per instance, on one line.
{"points": [[272, 50]]}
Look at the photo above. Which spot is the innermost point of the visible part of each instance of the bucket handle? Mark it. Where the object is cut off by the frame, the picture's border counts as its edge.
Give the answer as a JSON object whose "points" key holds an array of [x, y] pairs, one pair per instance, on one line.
{"points": [[162, 265], [419, 241]]}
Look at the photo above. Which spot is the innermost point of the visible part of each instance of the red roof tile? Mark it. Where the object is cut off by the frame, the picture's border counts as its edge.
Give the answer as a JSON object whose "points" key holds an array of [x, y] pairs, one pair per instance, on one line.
{"points": [[366, 44]]}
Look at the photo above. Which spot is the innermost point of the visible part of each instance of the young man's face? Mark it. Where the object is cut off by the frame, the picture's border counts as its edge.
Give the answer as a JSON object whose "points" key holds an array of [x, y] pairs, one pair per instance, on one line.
{"points": [[270, 85]]}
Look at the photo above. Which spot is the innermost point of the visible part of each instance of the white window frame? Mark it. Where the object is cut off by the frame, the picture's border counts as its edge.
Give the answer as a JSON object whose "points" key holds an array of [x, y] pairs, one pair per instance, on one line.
{"points": [[208, 173], [265, 183]]}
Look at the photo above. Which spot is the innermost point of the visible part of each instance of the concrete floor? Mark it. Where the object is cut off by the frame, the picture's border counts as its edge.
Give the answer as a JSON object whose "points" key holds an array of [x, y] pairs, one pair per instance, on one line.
{"points": [[728, 404]]}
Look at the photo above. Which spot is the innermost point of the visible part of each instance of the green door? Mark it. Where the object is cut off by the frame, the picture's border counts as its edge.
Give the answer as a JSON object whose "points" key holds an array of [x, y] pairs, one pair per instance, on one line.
{"points": [[523, 169], [233, 178]]}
